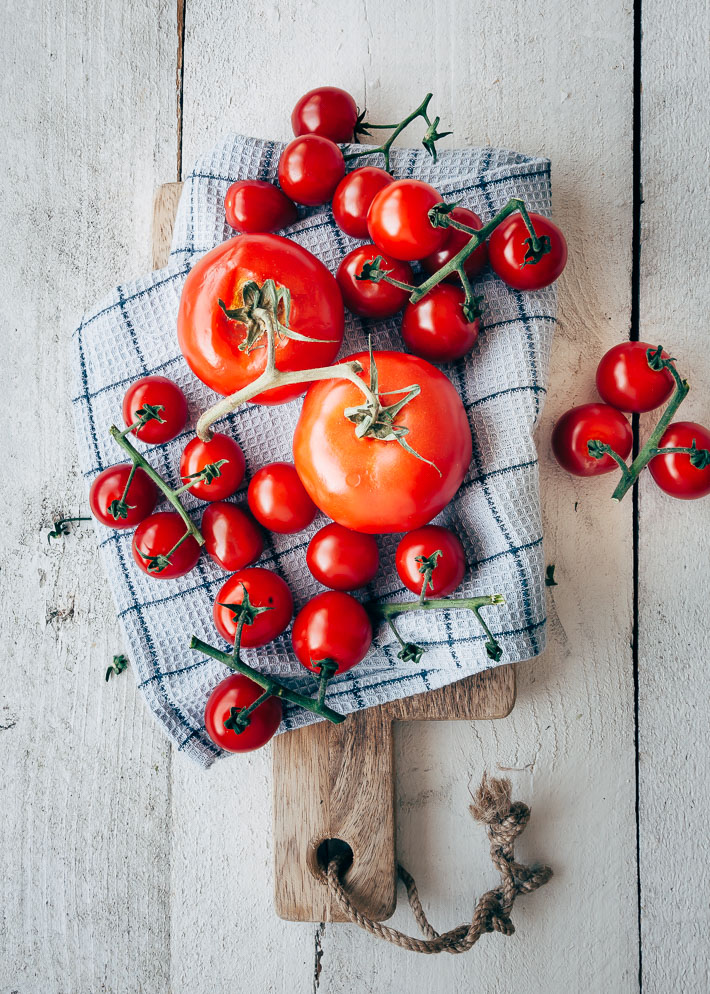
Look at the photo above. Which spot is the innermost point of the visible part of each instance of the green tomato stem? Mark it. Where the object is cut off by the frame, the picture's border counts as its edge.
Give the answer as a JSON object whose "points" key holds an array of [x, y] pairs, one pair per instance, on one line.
{"points": [[384, 148]]}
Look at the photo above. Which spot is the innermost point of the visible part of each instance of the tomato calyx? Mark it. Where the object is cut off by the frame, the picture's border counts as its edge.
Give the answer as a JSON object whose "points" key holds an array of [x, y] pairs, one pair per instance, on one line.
{"points": [[533, 254], [61, 527], [431, 135], [245, 612], [259, 313], [212, 471], [427, 565], [373, 272], [239, 719]]}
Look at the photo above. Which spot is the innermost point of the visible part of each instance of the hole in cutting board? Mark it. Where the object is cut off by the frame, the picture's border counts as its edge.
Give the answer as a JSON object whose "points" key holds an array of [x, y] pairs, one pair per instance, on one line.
{"points": [[321, 853]]}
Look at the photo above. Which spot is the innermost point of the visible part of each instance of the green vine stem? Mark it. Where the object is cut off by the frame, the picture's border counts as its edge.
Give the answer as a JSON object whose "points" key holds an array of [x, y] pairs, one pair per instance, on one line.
{"points": [[431, 135], [61, 527]]}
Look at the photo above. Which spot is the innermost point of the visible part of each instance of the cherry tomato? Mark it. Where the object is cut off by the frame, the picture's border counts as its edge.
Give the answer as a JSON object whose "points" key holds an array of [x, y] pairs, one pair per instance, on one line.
{"points": [[376, 486], [252, 205], [278, 499], [424, 542], [333, 626], [626, 381], [582, 424], [326, 111], [232, 537], [507, 249], [156, 536], [197, 454], [238, 691], [435, 327], [674, 473], [341, 559], [217, 348], [353, 196], [398, 220], [455, 241], [310, 168], [265, 589], [107, 490], [156, 391], [365, 297]]}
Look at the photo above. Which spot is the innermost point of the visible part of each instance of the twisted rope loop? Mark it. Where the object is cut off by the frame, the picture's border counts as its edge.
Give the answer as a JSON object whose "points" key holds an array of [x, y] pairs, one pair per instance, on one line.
{"points": [[504, 820]]}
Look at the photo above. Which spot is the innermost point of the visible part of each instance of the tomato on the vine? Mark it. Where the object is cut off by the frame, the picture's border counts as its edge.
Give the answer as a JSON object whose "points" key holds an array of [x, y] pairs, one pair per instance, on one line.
{"points": [[366, 297], [169, 401], [332, 626], [509, 244], [265, 589], [581, 425], [239, 692], [342, 559], [626, 381], [228, 352], [327, 111], [353, 197], [447, 569], [674, 472], [252, 205], [310, 168], [398, 220], [106, 495], [198, 454], [156, 537], [232, 537], [278, 499], [435, 327], [454, 242]]}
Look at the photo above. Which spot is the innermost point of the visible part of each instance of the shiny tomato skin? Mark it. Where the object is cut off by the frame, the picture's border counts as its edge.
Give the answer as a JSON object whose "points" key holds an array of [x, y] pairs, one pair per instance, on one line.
{"points": [[232, 537], [109, 486], [156, 391], [365, 297], [579, 426], [450, 566], [156, 535], [278, 499], [198, 454], [627, 382], [435, 327], [454, 242], [674, 473], [398, 220], [375, 486], [265, 589], [353, 197], [332, 625], [238, 691], [507, 248], [252, 205], [342, 559], [210, 341], [327, 111], [310, 168]]}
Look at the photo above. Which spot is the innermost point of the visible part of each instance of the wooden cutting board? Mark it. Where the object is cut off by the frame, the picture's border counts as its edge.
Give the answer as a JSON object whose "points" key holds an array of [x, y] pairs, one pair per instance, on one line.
{"points": [[333, 785]]}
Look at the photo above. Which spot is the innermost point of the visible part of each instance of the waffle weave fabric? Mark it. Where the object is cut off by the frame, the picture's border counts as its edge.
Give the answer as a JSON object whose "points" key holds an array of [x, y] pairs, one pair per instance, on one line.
{"points": [[496, 513]]}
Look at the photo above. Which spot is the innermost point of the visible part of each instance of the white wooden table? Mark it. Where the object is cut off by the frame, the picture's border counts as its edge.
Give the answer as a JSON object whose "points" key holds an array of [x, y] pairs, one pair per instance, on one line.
{"points": [[126, 869]]}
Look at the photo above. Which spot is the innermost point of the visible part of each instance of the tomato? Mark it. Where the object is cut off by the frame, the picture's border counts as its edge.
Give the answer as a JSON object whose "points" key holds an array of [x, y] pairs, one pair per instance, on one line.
{"points": [[579, 426], [365, 297], [507, 249], [107, 493], [342, 559], [398, 220], [326, 111], [252, 205], [435, 327], [265, 589], [228, 354], [156, 537], [278, 500], [310, 168], [353, 196], [238, 691], [232, 537], [454, 242], [674, 473], [331, 626], [161, 393], [626, 381], [371, 485], [197, 454], [449, 567]]}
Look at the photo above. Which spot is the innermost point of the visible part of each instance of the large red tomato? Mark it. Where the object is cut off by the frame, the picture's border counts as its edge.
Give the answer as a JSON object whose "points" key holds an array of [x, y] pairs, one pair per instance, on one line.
{"points": [[371, 484], [226, 353]]}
